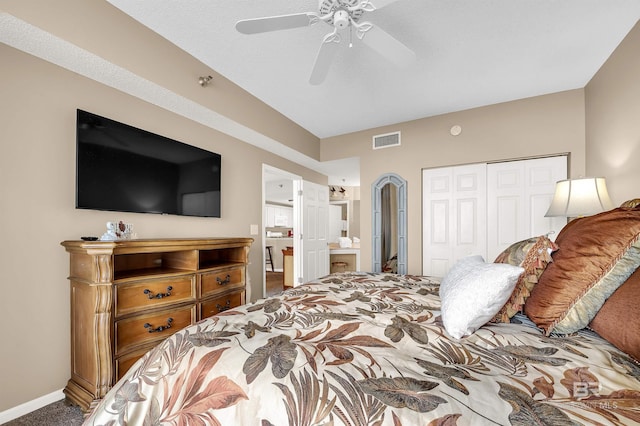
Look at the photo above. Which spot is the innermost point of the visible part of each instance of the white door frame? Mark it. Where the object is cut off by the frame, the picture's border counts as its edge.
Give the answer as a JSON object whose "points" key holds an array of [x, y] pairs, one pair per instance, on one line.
{"points": [[376, 220], [297, 226]]}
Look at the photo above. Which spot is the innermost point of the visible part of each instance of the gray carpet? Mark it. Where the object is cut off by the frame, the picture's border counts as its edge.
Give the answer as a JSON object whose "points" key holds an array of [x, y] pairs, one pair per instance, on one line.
{"points": [[59, 413]]}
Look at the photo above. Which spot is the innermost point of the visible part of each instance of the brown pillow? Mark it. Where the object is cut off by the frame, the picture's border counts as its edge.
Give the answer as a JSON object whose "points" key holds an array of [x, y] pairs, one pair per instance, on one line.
{"points": [[618, 320], [596, 255], [533, 255]]}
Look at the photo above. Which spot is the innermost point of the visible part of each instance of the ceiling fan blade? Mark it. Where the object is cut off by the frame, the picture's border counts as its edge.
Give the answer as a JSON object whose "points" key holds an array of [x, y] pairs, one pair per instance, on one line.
{"points": [[371, 5], [325, 56], [276, 23], [379, 4], [386, 45]]}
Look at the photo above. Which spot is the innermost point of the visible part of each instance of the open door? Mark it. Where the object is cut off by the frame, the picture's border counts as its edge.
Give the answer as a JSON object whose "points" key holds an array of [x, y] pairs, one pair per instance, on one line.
{"points": [[313, 242], [278, 189]]}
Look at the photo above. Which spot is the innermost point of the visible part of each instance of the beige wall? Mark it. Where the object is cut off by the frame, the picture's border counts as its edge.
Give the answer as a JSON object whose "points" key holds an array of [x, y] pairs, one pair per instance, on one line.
{"points": [[531, 127], [100, 28], [37, 189], [613, 120]]}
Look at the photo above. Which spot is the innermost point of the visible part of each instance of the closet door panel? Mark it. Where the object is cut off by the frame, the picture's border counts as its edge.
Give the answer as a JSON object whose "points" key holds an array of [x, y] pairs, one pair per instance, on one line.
{"points": [[454, 216], [506, 205], [440, 222], [518, 196], [508, 209], [438, 183], [542, 176], [470, 214], [467, 222]]}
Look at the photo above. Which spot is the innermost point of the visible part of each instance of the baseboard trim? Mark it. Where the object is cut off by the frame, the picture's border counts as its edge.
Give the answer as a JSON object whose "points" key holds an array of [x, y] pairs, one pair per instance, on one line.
{"points": [[29, 406]]}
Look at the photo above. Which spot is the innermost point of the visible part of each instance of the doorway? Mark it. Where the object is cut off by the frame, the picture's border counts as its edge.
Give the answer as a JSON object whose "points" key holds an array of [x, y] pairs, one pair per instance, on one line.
{"points": [[389, 214], [280, 207]]}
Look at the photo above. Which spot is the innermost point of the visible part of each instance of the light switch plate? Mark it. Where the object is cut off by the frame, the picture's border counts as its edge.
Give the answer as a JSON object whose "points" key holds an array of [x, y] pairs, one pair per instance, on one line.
{"points": [[253, 229]]}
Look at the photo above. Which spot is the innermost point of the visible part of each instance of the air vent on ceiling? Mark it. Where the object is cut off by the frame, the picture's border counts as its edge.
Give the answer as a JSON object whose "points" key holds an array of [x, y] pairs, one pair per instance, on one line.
{"points": [[387, 140]]}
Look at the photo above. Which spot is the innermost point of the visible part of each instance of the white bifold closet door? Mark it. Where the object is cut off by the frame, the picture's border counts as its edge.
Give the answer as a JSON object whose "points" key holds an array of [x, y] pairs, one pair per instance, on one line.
{"points": [[518, 195], [454, 215], [483, 208]]}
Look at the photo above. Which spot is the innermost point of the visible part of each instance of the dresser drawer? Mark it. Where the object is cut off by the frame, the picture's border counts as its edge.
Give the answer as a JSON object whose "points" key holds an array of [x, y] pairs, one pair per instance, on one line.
{"points": [[221, 304], [140, 295], [123, 364], [221, 280], [142, 329]]}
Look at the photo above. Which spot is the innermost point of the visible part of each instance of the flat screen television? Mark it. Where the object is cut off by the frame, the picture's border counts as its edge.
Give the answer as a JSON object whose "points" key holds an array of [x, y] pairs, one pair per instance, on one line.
{"points": [[126, 169]]}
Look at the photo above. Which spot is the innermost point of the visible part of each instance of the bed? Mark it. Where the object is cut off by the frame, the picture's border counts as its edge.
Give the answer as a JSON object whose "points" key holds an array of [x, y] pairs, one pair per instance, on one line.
{"points": [[379, 349]]}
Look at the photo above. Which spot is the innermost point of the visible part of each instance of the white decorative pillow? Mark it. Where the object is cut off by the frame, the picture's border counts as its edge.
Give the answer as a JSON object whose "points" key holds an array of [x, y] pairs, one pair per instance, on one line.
{"points": [[473, 291]]}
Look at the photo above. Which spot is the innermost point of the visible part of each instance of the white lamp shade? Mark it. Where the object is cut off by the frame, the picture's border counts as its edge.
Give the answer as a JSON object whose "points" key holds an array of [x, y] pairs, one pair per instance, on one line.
{"points": [[580, 197]]}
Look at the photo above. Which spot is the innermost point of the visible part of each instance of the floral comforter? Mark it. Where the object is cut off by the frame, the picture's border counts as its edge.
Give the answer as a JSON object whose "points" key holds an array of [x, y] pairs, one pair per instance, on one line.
{"points": [[370, 349]]}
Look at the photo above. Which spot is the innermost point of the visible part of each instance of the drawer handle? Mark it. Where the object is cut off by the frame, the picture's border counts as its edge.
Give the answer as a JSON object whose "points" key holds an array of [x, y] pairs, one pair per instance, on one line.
{"points": [[150, 294], [225, 307], [160, 328], [227, 280]]}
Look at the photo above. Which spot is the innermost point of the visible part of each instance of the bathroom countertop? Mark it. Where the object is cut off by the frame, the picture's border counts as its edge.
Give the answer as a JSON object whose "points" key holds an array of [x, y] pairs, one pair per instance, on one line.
{"points": [[336, 246]]}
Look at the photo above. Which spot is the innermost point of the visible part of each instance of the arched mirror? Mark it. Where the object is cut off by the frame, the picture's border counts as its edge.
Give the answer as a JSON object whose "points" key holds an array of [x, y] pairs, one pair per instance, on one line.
{"points": [[389, 223]]}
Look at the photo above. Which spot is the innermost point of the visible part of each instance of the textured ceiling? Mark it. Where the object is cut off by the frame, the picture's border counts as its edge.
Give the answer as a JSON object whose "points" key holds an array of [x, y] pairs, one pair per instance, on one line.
{"points": [[470, 53]]}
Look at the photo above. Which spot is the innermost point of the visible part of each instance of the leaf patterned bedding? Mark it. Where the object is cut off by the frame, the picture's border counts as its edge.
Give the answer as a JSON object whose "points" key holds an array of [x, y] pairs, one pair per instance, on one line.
{"points": [[370, 349]]}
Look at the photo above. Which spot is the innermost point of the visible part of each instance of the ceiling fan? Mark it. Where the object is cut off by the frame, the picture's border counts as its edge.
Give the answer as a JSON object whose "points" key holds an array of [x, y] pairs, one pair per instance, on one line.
{"points": [[342, 15]]}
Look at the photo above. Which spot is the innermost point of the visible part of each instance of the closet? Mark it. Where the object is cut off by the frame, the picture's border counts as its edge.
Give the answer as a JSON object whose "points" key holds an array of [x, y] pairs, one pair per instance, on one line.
{"points": [[485, 207]]}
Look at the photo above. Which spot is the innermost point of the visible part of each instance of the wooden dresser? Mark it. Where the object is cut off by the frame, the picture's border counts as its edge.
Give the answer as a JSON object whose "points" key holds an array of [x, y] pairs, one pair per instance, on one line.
{"points": [[127, 296]]}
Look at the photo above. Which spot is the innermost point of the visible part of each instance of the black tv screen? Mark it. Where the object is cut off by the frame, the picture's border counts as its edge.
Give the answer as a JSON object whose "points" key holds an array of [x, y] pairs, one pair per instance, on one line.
{"points": [[126, 169]]}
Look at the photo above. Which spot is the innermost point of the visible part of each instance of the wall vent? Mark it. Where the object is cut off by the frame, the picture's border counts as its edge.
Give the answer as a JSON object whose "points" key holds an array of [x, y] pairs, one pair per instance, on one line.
{"points": [[387, 140]]}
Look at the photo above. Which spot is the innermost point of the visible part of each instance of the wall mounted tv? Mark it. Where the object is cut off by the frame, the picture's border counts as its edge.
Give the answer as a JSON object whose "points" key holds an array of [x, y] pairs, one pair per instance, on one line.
{"points": [[126, 169]]}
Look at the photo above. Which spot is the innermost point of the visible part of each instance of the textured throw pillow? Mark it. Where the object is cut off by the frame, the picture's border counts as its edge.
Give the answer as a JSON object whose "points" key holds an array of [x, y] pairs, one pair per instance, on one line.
{"points": [[631, 204], [596, 255], [533, 255], [618, 320], [473, 291]]}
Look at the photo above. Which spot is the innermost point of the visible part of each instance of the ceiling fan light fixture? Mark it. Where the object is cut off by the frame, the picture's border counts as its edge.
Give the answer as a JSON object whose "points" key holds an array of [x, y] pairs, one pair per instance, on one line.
{"points": [[341, 19], [340, 15]]}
